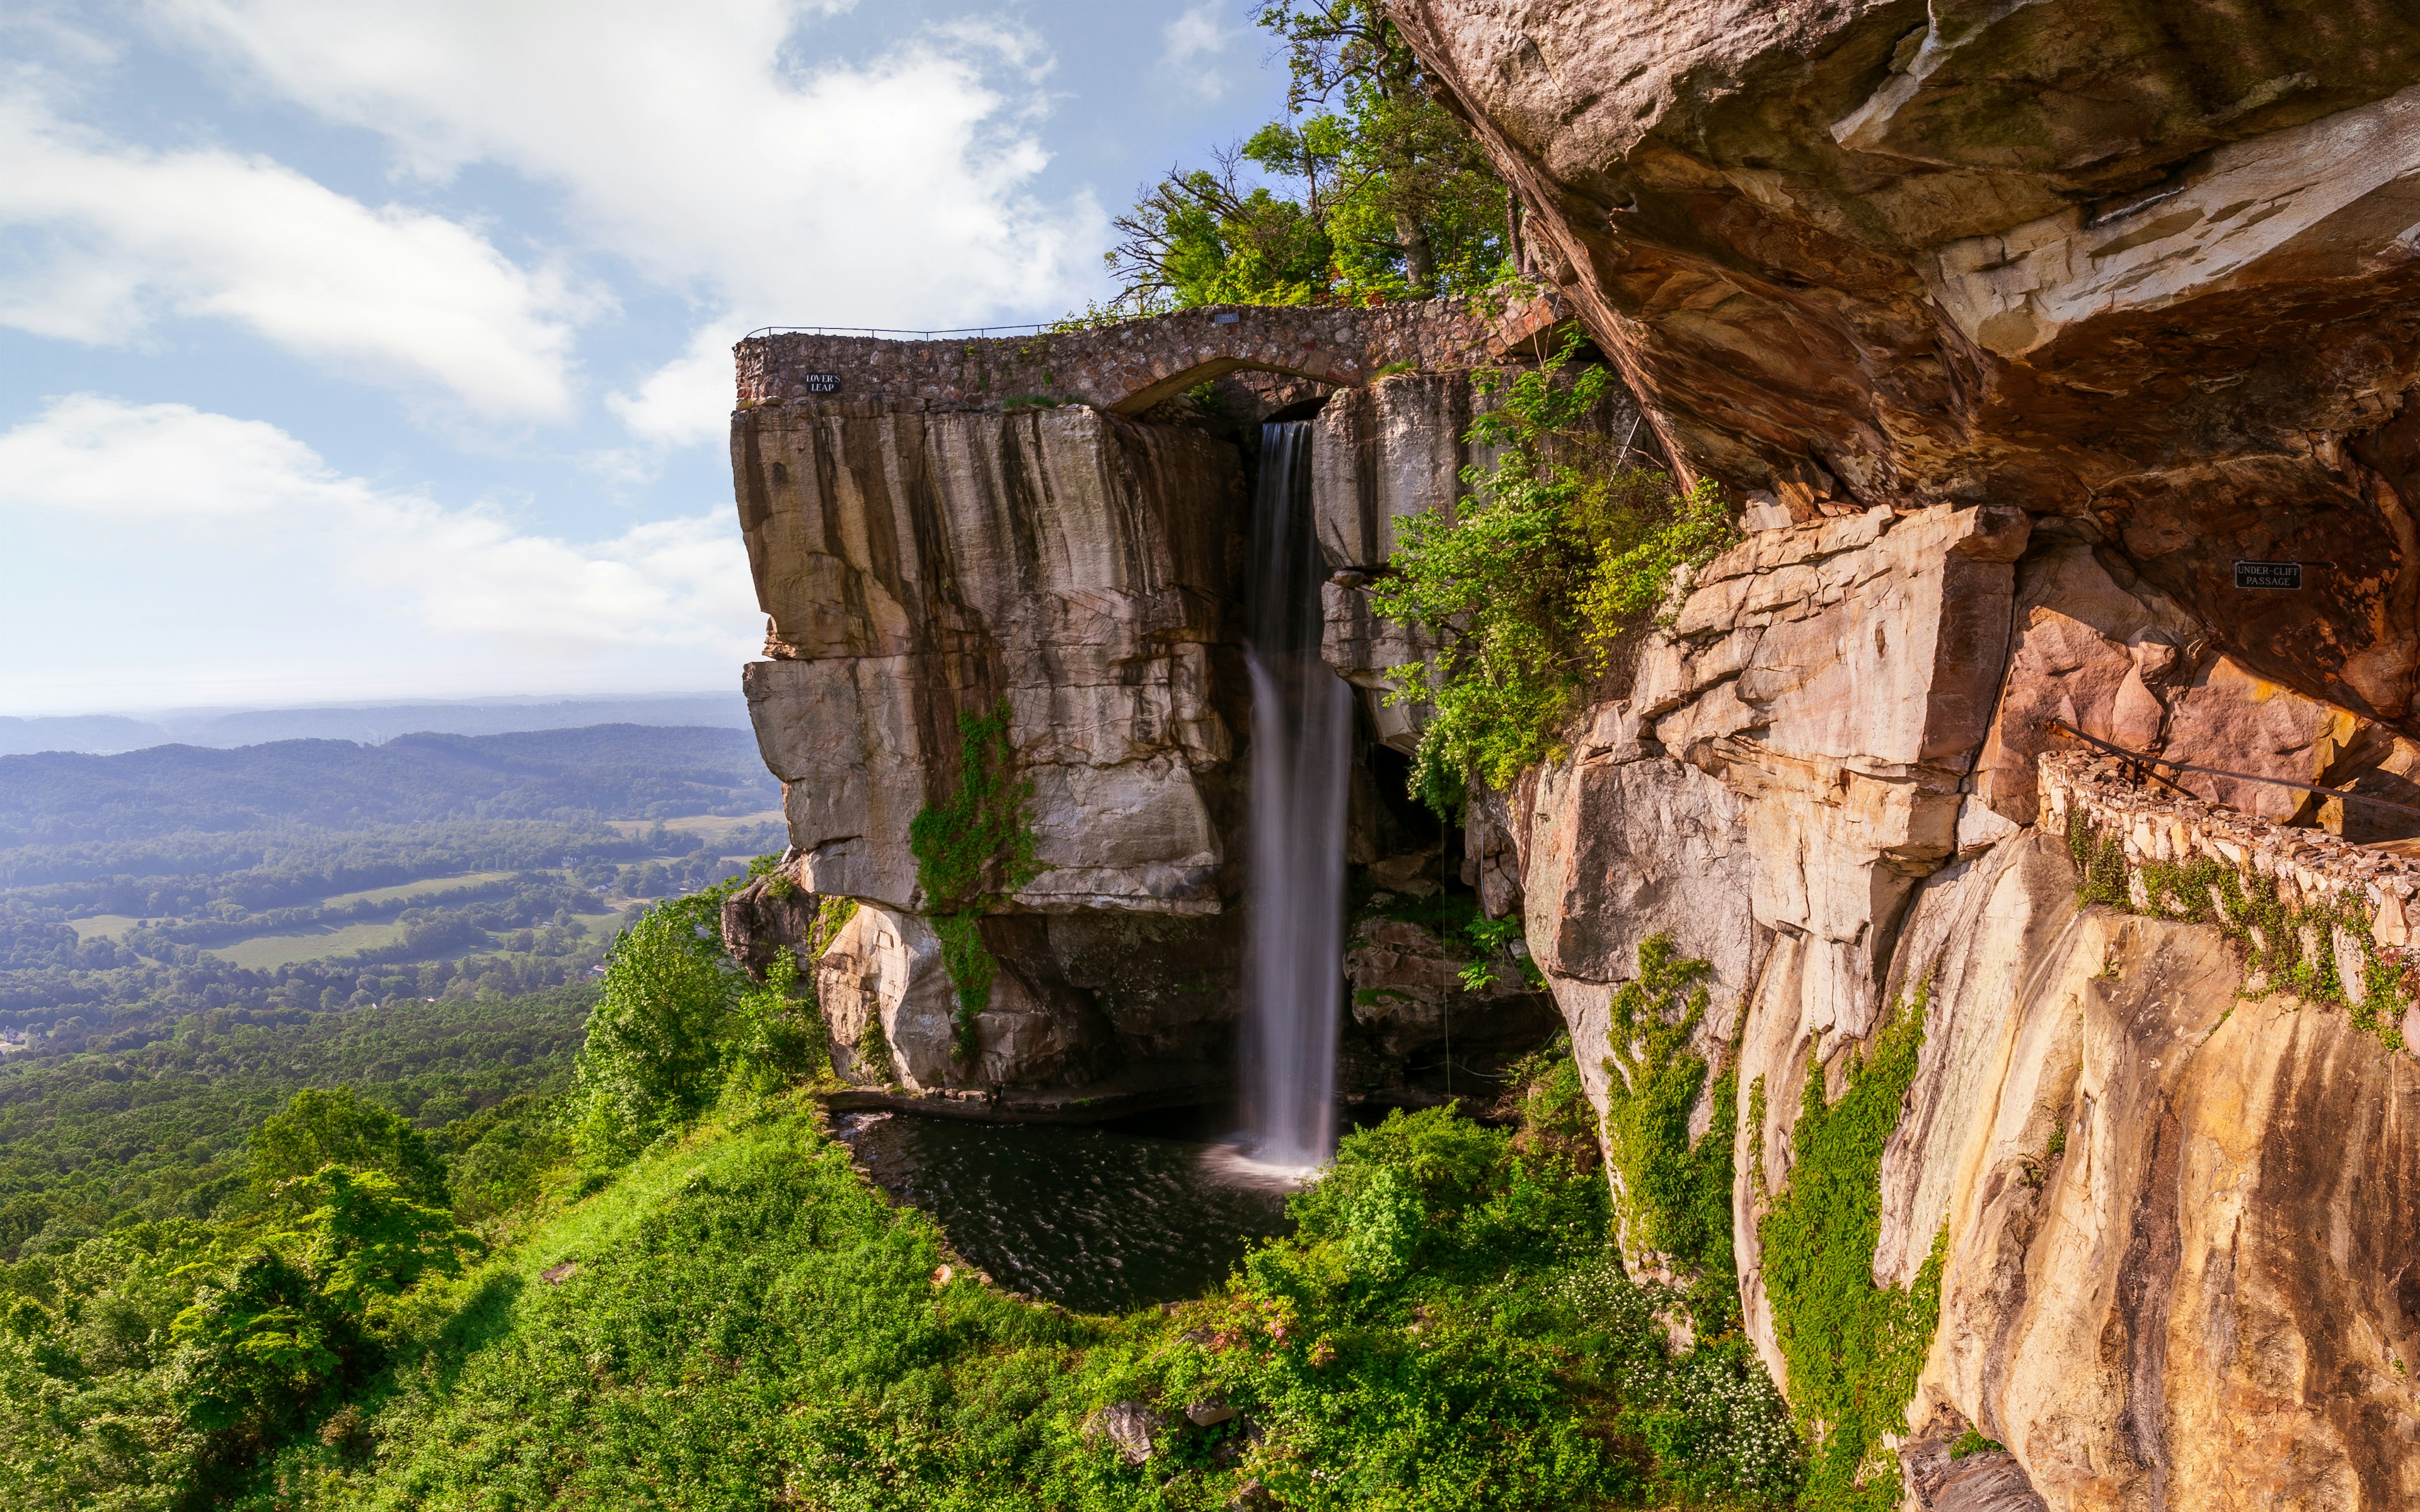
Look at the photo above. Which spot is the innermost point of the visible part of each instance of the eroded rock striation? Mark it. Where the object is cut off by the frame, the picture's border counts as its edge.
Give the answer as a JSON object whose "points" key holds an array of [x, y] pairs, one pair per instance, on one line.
{"points": [[931, 559]]}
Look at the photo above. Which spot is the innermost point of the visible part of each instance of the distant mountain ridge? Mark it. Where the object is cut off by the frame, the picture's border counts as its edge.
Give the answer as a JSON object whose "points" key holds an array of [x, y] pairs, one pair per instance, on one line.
{"points": [[614, 770], [367, 724]]}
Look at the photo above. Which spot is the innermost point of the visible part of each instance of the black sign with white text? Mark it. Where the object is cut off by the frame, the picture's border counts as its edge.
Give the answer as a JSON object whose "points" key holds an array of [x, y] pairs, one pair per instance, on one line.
{"points": [[820, 382], [2267, 575]]}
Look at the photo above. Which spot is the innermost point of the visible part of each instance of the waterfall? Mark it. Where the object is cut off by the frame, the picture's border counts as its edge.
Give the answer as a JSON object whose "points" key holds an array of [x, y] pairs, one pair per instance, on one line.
{"points": [[1302, 725]]}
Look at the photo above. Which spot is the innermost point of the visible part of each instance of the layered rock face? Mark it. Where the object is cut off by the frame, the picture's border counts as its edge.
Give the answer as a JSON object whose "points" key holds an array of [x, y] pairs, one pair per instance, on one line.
{"points": [[1074, 576], [1075, 573], [2011, 329]]}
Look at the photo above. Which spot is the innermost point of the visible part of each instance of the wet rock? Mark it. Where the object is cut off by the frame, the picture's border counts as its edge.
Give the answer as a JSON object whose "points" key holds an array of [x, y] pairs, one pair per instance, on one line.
{"points": [[1408, 998]]}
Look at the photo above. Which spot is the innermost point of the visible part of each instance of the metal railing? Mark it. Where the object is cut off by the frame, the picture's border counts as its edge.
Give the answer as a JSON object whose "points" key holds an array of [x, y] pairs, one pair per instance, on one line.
{"points": [[887, 331]]}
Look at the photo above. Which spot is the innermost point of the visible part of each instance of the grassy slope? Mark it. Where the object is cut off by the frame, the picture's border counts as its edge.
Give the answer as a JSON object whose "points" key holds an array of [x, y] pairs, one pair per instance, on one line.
{"points": [[745, 1322], [743, 1312]]}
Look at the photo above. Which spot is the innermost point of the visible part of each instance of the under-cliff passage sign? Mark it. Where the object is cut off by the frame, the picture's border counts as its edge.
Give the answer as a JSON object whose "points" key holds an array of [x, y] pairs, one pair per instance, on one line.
{"points": [[820, 382], [2267, 575]]}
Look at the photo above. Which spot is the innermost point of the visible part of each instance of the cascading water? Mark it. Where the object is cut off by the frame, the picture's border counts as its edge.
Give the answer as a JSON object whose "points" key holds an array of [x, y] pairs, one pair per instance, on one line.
{"points": [[1302, 723]]}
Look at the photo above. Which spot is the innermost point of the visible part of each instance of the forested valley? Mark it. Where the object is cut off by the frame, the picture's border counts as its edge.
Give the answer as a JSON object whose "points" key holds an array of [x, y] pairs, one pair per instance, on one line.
{"points": [[189, 935]]}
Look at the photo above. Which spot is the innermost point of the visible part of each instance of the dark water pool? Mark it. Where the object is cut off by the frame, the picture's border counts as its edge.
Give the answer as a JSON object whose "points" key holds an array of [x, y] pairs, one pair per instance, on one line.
{"points": [[1096, 1217]]}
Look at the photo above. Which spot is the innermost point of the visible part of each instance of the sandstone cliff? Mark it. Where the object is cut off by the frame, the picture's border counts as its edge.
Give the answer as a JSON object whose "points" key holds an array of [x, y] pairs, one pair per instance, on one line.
{"points": [[2011, 329], [929, 553]]}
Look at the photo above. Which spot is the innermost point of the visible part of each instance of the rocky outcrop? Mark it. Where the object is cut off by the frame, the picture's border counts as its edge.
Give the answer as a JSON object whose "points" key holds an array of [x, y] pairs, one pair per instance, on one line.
{"points": [[916, 568], [2011, 329], [948, 566], [1072, 574], [2142, 265], [2177, 1221]]}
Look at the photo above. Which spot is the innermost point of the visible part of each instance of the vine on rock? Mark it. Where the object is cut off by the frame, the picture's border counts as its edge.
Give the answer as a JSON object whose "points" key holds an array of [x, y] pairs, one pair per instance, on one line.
{"points": [[1855, 1348], [1674, 1199], [2292, 949], [973, 850]]}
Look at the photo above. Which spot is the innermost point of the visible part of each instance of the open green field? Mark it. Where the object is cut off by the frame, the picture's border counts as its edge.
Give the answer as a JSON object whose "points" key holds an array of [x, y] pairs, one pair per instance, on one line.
{"points": [[101, 926], [414, 889], [265, 952], [712, 825]]}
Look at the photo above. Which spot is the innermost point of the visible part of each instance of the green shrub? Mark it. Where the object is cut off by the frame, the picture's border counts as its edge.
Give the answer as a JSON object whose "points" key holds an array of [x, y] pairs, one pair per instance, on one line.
{"points": [[657, 1039], [1854, 1349], [1524, 585], [780, 1035]]}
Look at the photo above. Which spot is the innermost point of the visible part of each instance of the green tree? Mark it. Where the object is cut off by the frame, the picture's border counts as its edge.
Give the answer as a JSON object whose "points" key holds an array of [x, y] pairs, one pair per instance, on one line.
{"points": [[337, 1126], [1375, 191], [366, 1241], [655, 1043], [258, 1357]]}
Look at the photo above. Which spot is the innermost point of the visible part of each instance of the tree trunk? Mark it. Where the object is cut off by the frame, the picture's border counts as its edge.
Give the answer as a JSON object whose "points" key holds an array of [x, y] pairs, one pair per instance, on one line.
{"points": [[1420, 260]]}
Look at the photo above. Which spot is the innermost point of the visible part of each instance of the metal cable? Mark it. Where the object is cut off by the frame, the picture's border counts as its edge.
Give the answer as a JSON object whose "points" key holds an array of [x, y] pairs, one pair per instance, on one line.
{"points": [[2142, 759]]}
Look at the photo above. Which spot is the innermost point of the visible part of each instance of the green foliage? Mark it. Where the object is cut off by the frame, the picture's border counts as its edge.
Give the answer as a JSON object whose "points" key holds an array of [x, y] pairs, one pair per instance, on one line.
{"points": [[259, 1356], [1973, 1442], [973, 850], [873, 1062], [2270, 936], [781, 1037], [158, 1131], [1524, 586], [1854, 1349], [658, 1040], [1676, 1198], [750, 1321], [338, 1127], [737, 1316], [1371, 189], [1497, 945], [368, 1241]]}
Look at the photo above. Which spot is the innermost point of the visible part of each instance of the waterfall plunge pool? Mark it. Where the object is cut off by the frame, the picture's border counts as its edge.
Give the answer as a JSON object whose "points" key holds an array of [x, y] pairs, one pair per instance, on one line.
{"points": [[1097, 1217]]}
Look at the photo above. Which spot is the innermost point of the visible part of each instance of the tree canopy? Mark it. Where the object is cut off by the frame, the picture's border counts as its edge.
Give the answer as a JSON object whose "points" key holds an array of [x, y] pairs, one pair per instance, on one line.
{"points": [[1368, 188]]}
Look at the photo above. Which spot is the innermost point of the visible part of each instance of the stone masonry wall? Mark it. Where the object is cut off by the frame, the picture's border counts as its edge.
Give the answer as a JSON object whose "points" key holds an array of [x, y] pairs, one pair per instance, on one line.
{"points": [[1127, 367]]}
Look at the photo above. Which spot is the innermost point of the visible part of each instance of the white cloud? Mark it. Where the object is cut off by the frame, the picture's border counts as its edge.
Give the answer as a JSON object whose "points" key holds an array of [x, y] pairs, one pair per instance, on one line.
{"points": [[109, 237], [1192, 44], [139, 525], [709, 146], [688, 399]]}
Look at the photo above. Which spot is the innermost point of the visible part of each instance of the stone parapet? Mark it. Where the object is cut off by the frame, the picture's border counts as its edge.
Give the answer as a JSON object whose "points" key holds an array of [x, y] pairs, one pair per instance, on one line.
{"points": [[1126, 367], [2310, 867]]}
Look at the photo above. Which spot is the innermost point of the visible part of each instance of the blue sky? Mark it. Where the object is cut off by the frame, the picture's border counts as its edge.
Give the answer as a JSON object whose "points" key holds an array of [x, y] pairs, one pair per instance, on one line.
{"points": [[354, 351]]}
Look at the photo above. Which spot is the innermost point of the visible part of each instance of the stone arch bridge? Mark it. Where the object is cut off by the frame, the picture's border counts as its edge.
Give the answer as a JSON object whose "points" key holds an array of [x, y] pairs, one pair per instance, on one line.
{"points": [[1130, 366]]}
